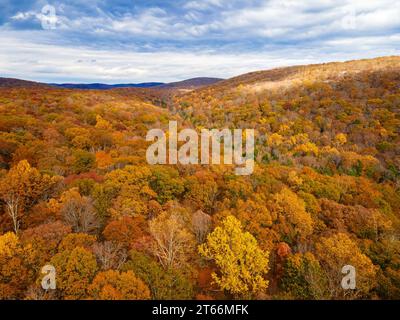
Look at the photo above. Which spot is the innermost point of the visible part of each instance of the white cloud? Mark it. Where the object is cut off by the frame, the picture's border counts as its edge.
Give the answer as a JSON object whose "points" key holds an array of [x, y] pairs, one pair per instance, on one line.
{"points": [[273, 20], [20, 16], [203, 4], [311, 19], [208, 38], [23, 58]]}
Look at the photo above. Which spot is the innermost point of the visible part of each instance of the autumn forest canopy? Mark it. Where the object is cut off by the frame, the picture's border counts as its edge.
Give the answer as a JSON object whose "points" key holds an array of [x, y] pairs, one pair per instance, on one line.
{"points": [[77, 193]]}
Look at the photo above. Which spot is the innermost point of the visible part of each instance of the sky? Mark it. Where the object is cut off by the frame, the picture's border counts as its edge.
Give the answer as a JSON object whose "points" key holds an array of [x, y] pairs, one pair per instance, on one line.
{"points": [[122, 41]]}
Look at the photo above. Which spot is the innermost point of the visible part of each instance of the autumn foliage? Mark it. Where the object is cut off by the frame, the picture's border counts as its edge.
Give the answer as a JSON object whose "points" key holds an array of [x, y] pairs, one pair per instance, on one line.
{"points": [[76, 191]]}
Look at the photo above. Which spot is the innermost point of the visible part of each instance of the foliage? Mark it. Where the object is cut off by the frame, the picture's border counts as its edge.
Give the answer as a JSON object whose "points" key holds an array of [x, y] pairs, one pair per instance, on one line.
{"points": [[171, 284], [114, 285], [241, 264], [75, 268], [76, 190]]}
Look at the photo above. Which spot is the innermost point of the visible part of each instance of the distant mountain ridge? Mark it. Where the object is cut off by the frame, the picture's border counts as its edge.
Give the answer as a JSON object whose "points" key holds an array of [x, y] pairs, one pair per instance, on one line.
{"points": [[188, 84], [103, 86], [193, 83]]}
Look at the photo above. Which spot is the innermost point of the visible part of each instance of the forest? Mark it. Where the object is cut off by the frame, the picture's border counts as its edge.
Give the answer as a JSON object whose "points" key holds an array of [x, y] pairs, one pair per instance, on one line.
{"points": [[77, 193]]}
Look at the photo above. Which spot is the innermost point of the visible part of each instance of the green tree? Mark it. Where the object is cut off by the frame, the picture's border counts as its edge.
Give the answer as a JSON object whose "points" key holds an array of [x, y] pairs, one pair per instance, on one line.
{"points": [[164, 284], [303, 277], [166, 183], [83, 161]]}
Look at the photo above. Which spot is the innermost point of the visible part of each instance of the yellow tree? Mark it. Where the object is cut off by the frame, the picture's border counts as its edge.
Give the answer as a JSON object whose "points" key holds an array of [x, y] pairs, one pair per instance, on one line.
{"points": [[102, 123], [17, 266], [340, 139], [242, 264], [22, 187], [295, 223], [337, 251]]}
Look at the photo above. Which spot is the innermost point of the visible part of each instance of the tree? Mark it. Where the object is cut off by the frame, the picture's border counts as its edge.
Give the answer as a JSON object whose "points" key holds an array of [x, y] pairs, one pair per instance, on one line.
{"points": [[303, 277], [75, 270], [22, 187], [125, 230], [172, 240], [132, 190], [201, 223], [79, 137], [110, 255], [115, 285], [45, 239], [103, 160], [201, 190], [340, 139], [166, 183], [386, 254], [102, 124], [78, 212], [17, 266], [83, 161], [295, 223], [256, 219], [73, 240], [103, 195], [334, 253], [164, 284], [242, 264], [363, 222]]}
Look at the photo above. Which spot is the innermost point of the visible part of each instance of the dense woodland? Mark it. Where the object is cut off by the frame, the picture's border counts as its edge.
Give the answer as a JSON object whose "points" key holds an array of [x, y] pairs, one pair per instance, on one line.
{"points": [[77, 193]]}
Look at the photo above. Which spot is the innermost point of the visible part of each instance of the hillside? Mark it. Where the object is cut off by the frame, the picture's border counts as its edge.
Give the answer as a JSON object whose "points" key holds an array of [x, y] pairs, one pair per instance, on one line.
{"points": [[358, 99], [191, 84], [16, 83], [325, 190], [318, 72]]}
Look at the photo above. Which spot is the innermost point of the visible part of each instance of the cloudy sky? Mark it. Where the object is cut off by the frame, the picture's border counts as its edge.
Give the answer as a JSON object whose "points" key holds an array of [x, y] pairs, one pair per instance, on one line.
{"points": [[122, 41]]}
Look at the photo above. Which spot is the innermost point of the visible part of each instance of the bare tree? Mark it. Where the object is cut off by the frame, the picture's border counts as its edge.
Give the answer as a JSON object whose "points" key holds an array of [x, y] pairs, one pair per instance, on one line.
{"points": [[172, 241], [110, 255], [12, 205], [201, 223], [36, 292], [79, 212]]}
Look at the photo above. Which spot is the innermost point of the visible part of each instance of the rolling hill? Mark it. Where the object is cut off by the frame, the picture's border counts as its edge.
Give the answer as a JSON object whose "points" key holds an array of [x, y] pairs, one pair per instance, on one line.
{"points": [[17, 83], [325, 190], [191, 84]]}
